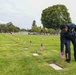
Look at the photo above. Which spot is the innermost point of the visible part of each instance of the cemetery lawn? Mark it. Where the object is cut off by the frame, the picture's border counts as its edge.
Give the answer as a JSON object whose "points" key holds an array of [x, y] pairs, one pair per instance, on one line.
{"points": [[16, 55]]}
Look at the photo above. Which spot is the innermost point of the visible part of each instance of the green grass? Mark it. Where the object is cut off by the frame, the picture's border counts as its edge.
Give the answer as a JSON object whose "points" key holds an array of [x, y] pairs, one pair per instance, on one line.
{"points": [[16, 60]]}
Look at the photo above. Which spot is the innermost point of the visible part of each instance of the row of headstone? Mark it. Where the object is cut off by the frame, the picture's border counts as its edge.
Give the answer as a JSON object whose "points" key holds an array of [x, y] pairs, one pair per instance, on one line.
{"points": [[56, 67], [41, 46]]}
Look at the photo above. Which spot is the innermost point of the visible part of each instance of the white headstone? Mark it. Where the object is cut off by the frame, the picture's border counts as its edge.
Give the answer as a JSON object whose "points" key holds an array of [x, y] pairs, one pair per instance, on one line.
{"points": [[35, 54], [56, 67], [26, 48]]}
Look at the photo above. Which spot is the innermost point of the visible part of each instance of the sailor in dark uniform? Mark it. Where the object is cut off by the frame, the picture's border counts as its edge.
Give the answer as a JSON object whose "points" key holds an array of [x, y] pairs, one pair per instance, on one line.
{"points": [[68, 34]]}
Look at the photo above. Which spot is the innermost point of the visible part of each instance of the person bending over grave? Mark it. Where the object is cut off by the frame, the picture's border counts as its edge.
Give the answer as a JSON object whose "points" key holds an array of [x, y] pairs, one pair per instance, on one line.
{"points": [[68, 33]]}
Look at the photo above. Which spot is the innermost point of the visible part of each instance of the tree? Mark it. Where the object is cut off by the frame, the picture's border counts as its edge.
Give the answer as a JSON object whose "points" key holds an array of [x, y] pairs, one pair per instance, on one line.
{"points": [[22, 29], [54, 16], [38, 29], [3, 28], [34, 23], [16, 29], [9, 27], [34, 28], [51, 31], [43, 30]]}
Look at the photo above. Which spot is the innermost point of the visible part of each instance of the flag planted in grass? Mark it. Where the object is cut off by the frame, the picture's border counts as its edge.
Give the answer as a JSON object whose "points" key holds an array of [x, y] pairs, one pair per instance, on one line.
{"points": [[30, 42], [62, 55], [41, 47]]}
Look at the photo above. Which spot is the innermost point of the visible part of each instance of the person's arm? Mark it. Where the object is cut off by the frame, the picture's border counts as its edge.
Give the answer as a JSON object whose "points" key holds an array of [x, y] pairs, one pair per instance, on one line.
{"points": [[71, 26], [62, 42]]}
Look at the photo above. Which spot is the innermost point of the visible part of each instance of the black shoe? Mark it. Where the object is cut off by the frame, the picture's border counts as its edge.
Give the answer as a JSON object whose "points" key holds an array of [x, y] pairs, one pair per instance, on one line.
{"points": [[68, 61]]}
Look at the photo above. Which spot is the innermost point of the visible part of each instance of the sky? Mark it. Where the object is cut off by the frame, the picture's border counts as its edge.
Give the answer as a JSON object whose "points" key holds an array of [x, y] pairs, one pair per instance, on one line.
{"points": [[22, 12]]}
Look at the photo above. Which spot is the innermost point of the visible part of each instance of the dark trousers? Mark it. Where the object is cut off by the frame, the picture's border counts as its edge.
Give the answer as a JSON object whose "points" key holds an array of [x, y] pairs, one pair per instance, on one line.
{"points": [[67, 50], [74, 45]]}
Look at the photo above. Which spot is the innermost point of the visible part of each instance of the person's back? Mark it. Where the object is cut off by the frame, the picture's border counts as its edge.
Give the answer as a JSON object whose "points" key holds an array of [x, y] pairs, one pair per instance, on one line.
{"points": [[70, 34]]}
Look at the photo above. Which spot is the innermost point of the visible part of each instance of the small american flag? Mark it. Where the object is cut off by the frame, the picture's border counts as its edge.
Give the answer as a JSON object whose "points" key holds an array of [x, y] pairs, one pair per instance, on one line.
{"points": [[30, 42], [41, 47], [62, 55]]}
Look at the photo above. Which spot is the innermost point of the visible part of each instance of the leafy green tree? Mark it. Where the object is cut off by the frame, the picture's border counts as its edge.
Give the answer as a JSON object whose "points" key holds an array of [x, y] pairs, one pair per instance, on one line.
{"points": [[9, 27], [43, 30], [54, 16], [34, 23], [22, 29], [51, 31], [16, 29], [34, 28], [38, 29], [3, 28]]}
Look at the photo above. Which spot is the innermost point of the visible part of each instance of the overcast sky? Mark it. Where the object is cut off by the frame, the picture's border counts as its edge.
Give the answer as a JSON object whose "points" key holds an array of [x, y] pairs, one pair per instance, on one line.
{"points": [[22, 12]]}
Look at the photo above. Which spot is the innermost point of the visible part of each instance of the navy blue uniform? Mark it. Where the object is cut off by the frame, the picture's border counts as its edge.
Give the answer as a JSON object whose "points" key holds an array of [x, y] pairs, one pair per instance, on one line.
{"points": [[65, 40], [71, 34]]}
